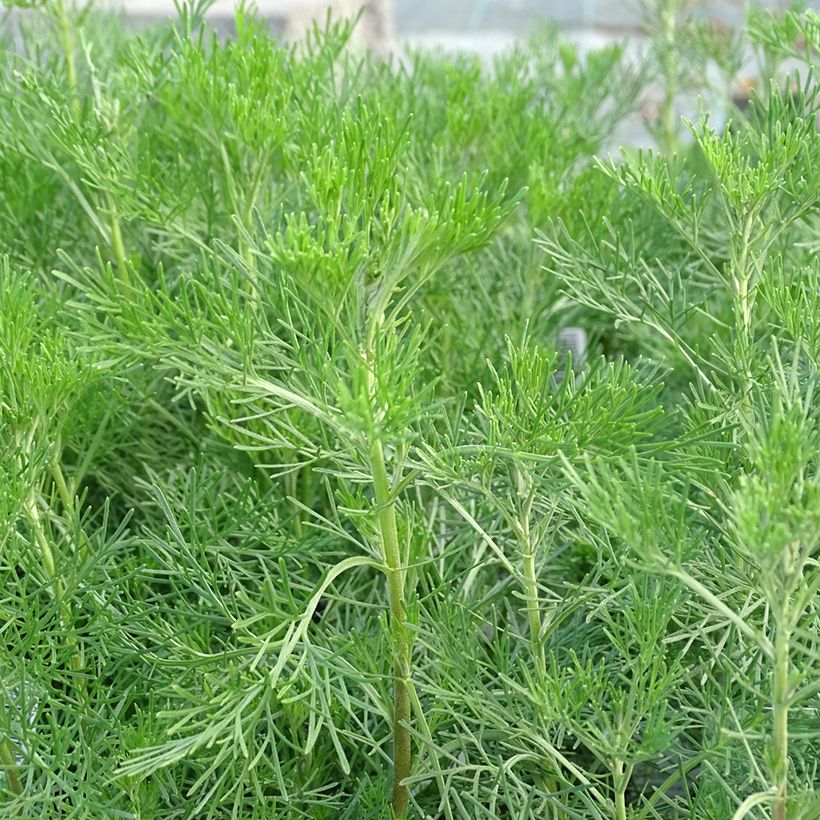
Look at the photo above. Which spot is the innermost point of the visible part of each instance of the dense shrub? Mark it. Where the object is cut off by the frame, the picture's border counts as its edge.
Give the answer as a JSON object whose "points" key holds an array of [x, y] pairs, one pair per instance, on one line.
{"points": [[304, 511]]}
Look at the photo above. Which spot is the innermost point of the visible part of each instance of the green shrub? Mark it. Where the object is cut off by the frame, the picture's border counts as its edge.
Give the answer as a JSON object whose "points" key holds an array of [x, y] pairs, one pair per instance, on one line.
{"points": [[304, 511]]}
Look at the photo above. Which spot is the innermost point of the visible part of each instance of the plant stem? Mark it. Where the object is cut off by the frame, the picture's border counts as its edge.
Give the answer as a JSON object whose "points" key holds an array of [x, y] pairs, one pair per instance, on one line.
{"points": [[247, 224], [65, 489], [402, 753], [528, 545], [291, 488], [46, 555], [66, 493], [9, 763], [620, 783], [533, 609], [780, 729], [306, 486], [669, 64], [528, 550], [50, 567], [117, 245], [743, 305], [67, 43]]}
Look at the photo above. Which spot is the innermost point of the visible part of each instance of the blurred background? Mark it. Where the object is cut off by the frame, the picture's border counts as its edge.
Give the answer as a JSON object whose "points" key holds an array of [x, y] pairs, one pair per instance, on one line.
{"points": [[484, 26], [705, 35]]}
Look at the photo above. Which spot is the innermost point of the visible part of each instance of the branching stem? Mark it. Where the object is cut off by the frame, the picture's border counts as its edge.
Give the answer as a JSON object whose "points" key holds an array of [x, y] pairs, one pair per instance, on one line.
{"points": [[780, 728], [620, 781], [402, 704]]}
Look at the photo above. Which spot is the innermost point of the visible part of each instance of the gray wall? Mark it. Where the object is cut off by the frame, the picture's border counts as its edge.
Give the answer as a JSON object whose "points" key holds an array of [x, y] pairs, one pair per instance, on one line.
{"points": [[469, 23], [518, 16]]}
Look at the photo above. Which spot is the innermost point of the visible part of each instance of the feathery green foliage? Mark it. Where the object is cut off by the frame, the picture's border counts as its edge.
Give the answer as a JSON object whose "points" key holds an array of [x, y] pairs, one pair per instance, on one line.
{"points": [[305, 514]]}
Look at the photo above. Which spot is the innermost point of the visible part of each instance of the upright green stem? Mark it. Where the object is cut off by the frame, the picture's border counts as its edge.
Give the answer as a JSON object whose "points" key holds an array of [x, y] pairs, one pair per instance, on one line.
{"points": [[743, 298], [67, 43], [291, 488], [50, 567], [9, 764], [780, 729], [66, 493], [46, 555], [620, 782], [388, 530], [117, 244], [65, 488], [743, 277], [528, 550], [533, 608], [530, 584], [669, 65], [247, 224], [306, 486]]}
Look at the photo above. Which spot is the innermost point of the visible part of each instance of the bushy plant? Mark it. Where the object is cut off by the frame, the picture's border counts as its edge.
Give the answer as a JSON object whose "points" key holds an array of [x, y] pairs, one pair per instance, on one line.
{"points": [[304, 510]]}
